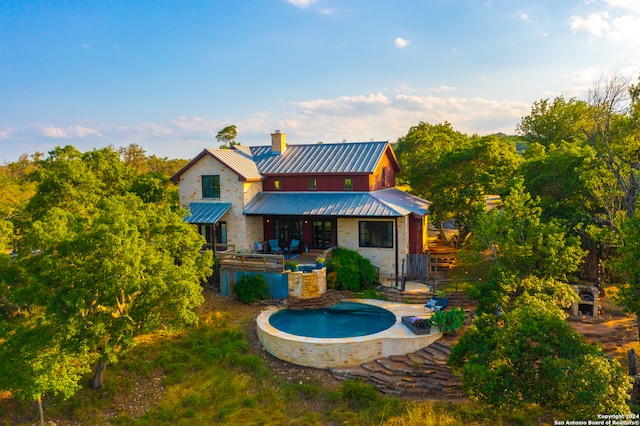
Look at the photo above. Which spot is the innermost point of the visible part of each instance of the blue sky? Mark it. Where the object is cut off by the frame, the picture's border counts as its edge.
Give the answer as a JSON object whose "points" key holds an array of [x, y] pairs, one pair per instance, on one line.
{"points": [[168, 75]]}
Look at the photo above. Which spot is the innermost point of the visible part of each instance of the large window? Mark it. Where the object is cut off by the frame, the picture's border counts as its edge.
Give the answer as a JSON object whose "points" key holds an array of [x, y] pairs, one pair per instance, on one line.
{"points": [[376, 234], [210, 186]]}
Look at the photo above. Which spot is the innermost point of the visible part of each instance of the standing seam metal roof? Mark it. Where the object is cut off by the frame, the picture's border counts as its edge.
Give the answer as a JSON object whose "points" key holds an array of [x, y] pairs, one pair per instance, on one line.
{"points": [[384, 203], [206, 212], [359, 157]]}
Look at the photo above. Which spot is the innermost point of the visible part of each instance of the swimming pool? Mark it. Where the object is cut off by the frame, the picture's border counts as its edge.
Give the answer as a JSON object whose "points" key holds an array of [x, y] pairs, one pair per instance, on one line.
{"points": [[328, 352], [346, 319]]}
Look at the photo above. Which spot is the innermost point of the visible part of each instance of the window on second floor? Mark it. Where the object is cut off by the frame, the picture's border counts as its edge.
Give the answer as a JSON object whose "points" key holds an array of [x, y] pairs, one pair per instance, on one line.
{"points": [[348, 184], [313, 184], [210, 186], [277, 184], [384, 177]]}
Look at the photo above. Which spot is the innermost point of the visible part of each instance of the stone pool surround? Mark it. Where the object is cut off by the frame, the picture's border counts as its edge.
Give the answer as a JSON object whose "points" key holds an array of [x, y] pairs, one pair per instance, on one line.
{"points": [[346, 351]]}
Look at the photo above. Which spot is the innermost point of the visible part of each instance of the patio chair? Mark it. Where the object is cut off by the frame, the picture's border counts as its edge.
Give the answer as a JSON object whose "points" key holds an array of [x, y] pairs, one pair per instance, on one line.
{"points": [[437, 304], [293, 246], [274, 246]]}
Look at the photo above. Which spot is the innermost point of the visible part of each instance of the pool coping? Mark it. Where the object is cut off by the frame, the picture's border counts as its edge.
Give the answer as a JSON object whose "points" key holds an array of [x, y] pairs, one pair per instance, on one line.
{"points": [[346, 351]]}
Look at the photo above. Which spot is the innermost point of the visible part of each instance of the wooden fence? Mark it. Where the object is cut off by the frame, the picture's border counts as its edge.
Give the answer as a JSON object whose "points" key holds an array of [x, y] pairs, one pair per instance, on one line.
{"points": [[418, 267]]}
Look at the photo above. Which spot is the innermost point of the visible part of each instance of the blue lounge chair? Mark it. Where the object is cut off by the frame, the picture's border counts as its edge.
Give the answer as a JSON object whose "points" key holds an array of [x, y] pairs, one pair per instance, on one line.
{"points": [[293, 246], [436, 304], [274, 246]]}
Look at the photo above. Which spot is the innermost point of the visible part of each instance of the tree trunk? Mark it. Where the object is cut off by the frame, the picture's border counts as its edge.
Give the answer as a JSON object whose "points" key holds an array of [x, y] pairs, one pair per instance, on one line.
{"points": [[442, 234], [40, 410], [97, 380]]}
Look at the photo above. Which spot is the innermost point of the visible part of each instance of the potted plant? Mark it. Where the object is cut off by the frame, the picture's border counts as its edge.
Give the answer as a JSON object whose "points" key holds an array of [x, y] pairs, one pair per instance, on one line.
{"points": [[291, 265], [320, 260]]}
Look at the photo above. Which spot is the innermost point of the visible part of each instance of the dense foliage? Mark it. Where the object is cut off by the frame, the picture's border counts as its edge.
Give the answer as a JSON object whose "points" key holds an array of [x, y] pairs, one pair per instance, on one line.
{"points": [[251, 288], [531, 355], [350, 271], [96, 266]]}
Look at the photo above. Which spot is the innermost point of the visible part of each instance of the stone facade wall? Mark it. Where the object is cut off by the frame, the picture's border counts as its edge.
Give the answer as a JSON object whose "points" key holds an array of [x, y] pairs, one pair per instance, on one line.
{"points": [[242, 232], [383, 258], [308, 285]]}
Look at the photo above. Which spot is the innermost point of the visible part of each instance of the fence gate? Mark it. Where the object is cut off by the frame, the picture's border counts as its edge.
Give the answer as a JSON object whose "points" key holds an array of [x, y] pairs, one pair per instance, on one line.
{"points": [[418, 267]]}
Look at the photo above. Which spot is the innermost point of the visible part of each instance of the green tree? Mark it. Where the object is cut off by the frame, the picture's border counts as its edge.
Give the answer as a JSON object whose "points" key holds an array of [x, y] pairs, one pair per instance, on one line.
{"points": [[419, 153], [227, 137], [465, 175], [34, 363], [531, 355], [553, 122], [628, 267], [129, 269], [524, 253]]}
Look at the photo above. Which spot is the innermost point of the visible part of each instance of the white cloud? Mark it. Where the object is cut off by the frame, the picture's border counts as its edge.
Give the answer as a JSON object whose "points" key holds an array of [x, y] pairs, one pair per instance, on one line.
{"points": [[81, 132], [632, 5], [52, 132], [524, 17], [626, 28], [375, 116], [302, 4], [4, 134], [586, 76], [595, 24], [400, 42], [443, 88], [153, 129]]}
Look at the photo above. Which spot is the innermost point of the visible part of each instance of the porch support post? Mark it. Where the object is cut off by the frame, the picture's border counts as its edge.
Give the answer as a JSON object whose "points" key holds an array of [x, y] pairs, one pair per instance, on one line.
{"points": [[397, 254]]}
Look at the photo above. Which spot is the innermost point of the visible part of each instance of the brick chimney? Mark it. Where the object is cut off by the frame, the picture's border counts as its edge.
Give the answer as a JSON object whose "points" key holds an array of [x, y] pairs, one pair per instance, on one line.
{"points": [[278, 142]]}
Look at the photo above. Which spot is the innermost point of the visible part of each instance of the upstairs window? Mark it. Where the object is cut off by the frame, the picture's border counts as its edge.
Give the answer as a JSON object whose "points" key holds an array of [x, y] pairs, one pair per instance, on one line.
{"points": [[277, 184], [210, 186], [313, 185], [376, 234], [348, 184], [384, 177]]}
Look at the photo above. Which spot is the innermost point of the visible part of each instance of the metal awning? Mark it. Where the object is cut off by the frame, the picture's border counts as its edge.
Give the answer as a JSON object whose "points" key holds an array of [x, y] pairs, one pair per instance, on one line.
{"points": [[206, 212], [337, 204]]}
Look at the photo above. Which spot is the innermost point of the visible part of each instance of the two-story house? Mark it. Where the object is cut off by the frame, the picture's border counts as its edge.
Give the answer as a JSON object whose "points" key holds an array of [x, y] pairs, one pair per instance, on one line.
{"points": [[322, 195]]}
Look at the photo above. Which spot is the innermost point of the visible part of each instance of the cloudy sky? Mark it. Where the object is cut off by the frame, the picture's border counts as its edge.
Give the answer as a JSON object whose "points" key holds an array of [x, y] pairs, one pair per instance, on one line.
{"points": [[168, 75]]}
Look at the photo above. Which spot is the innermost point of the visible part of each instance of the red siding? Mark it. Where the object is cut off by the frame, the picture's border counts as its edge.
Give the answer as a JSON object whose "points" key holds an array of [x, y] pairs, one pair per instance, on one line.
{"points": [[323, 182], [415, 235]]}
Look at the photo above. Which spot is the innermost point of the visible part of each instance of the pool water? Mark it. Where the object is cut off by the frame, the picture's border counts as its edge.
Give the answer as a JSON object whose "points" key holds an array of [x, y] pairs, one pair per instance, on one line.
{"points": [[346, 319]]}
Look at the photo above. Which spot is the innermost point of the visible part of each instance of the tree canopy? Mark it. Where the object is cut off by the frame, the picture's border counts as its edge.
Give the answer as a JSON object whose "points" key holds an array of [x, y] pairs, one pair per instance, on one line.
{"points": [[103, 256]]}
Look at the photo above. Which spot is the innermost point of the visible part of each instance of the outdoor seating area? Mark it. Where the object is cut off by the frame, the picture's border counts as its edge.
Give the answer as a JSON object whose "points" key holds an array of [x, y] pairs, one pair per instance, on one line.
{"points": [[436, 304]]}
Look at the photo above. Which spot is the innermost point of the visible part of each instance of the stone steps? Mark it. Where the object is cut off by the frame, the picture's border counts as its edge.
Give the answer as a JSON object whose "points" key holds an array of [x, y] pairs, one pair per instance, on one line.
{"points": [[423, 374], [329, 298]]}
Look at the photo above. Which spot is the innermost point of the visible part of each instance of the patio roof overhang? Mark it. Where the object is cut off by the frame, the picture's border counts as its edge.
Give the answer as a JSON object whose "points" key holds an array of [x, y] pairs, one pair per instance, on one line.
{"points": [[384, 203], [209, 213]]}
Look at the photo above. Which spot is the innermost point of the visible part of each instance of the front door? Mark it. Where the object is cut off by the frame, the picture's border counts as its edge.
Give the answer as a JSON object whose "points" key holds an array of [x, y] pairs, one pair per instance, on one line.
{"points": [[322, 234]]}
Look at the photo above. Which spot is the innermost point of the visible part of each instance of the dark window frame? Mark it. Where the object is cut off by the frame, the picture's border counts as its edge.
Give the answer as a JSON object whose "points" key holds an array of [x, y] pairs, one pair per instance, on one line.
{"points": [[375, 234], [210, 186]]}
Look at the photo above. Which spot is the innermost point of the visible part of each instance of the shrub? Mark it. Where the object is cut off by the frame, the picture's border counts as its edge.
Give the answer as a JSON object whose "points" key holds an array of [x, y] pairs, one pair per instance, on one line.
{"points": [[449, 321], [358, 394], [252, 288], [353, 272]]}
